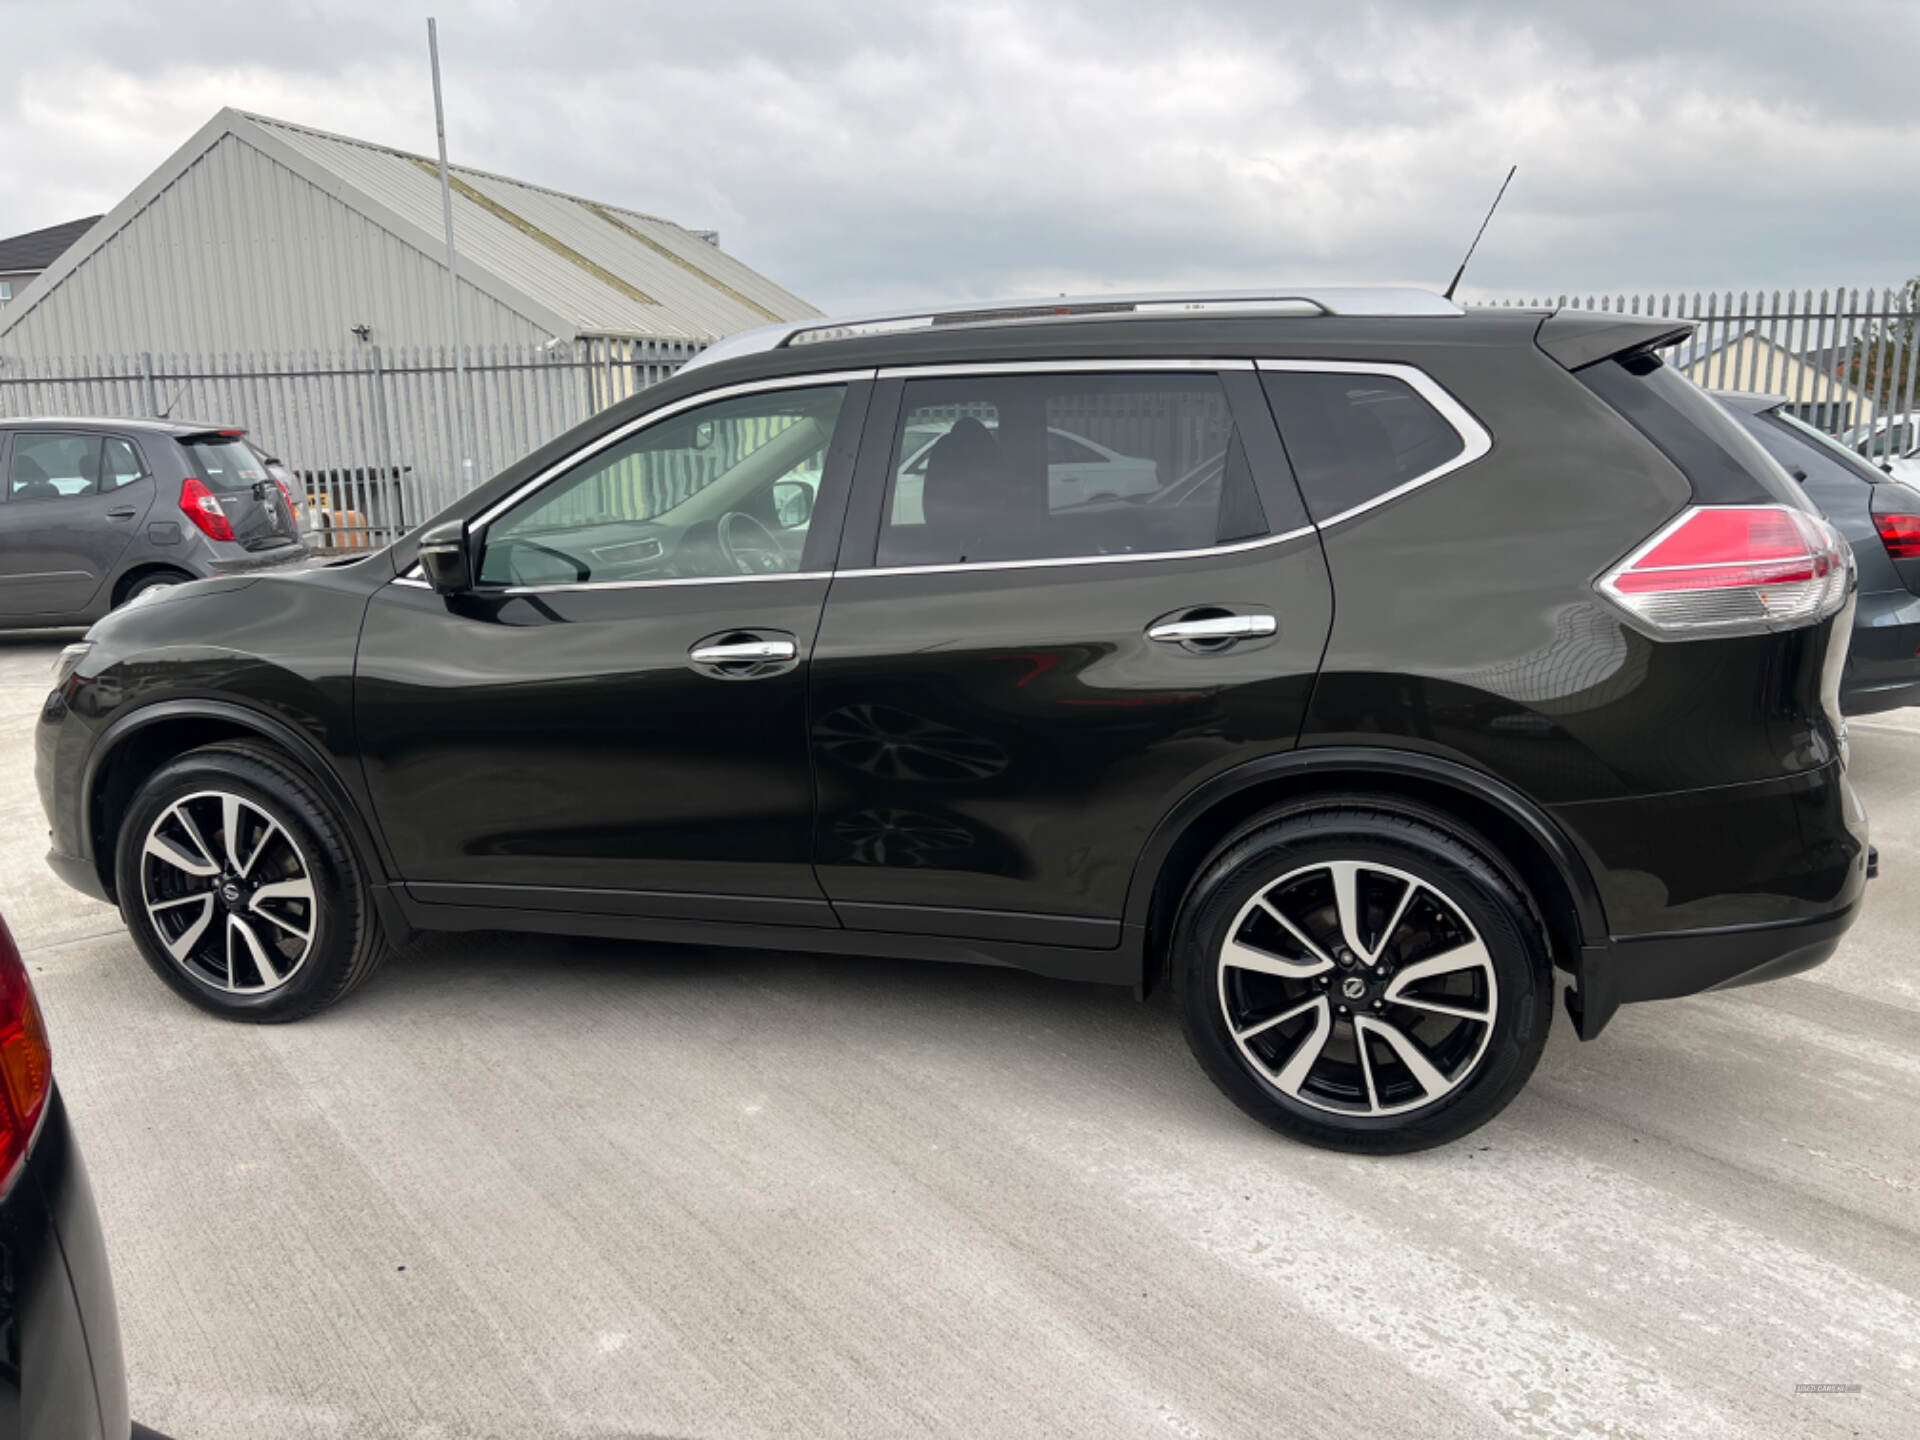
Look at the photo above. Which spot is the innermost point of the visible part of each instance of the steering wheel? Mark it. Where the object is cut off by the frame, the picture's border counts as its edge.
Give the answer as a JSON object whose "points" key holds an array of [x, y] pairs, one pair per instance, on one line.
{"points": [[749, 546]]}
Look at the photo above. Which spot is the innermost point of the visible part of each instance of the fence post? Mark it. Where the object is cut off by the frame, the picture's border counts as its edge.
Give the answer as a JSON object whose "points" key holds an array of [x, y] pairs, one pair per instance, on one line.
{"points": [[146, 374]]}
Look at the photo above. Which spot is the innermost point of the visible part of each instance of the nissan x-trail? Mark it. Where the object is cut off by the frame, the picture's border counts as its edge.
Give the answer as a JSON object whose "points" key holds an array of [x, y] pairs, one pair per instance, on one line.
{"points": [[1344, 661]]}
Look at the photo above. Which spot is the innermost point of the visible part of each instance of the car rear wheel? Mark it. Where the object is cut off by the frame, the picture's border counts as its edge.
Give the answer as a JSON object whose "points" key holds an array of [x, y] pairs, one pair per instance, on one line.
{"points": [[240, 889], [154, 580], [1362, 979]]}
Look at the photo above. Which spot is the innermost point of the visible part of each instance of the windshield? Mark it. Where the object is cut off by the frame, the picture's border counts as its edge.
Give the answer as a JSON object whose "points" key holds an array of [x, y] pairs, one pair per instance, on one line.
{"points": [[226, 464], [1829, 446]]}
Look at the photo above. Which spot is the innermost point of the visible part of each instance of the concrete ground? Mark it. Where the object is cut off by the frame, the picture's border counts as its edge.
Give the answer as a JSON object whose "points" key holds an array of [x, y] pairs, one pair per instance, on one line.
{"points": [[529, 1187]]}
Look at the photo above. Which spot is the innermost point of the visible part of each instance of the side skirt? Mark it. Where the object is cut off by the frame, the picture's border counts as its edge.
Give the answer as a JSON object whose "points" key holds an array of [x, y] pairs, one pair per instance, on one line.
{"points": [[1117, 966]]}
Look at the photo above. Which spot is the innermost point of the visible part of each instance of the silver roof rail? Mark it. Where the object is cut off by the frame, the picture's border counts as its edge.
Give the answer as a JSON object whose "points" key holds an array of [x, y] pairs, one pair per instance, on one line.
{"points": [[1305, 300]]}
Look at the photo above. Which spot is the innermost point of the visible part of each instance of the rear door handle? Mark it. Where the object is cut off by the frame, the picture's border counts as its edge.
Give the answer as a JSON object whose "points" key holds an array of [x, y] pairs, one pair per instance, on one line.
{"points": [[734, 652], [122, 512], [1212, 627]]}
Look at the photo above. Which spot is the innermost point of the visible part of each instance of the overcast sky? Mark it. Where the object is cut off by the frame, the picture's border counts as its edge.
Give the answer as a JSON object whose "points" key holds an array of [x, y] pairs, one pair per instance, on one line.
{"points": [[870, 153]]}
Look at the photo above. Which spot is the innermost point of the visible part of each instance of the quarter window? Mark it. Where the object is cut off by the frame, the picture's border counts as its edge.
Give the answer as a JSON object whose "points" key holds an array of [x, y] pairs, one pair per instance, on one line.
{"points": [[53, 467], [1352, 438], [121, 464], [1028, 467], [726, 488]]}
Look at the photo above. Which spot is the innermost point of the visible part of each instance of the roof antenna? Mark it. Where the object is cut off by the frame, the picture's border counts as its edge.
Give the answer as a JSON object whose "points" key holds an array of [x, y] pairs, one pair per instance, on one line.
{"points": [[1454, 284]]}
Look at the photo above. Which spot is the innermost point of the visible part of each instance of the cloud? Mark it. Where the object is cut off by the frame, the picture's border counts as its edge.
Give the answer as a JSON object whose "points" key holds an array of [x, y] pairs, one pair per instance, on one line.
{"points": [[867, 153]]}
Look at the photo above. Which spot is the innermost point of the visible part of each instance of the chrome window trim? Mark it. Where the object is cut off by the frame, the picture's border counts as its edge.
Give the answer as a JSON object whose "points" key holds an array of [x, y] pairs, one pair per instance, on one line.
{"points": [[1046, 562], [654, 417], [1171, 364], [1474, 439], [579, 585]]}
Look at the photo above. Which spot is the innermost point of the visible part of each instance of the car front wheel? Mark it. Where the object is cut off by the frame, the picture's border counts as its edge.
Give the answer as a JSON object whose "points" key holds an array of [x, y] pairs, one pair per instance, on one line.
{"points": [[1362, 979], [240, 888]]}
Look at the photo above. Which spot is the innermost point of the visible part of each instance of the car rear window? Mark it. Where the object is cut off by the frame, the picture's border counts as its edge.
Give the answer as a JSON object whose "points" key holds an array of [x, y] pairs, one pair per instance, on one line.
{"points": [[226, 464], [1354, 438], [1724, 464]]}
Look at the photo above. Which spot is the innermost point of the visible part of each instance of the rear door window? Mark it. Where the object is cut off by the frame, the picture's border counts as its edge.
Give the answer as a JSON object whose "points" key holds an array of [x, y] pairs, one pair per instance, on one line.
{"points": [[1356, 438], [1029, 467], [53, 466]]}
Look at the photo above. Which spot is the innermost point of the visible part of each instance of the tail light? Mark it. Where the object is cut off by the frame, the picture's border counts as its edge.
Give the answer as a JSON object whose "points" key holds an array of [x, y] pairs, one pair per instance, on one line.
{"points": [[1732, 568], [26, 1063], [1900, 534], [203, 508]]}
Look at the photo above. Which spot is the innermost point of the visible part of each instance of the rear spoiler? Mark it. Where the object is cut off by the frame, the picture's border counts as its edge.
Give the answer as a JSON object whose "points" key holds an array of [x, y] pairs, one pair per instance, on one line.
{"points": [[188, 437], [1580, 337]]}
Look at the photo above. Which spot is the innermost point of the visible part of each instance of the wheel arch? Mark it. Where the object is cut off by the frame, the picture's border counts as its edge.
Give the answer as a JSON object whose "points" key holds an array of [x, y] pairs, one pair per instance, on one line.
{"points": [[138, 743], [135, 573], [1541, 857]]}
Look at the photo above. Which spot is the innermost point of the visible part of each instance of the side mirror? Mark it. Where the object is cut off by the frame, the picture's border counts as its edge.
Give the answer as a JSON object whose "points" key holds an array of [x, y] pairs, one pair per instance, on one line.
{"points": [[792, 503], [445, 557]]}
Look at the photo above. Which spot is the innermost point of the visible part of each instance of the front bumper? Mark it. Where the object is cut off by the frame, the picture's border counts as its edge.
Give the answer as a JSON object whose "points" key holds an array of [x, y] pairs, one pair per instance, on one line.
{"points": [[65, 1375]]}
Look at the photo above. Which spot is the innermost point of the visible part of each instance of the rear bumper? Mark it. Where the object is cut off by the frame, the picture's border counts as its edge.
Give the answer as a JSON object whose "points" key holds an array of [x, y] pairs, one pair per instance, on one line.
{"points": [[255, 562], [1664, 967], [1883, 659], [1705, 890]]}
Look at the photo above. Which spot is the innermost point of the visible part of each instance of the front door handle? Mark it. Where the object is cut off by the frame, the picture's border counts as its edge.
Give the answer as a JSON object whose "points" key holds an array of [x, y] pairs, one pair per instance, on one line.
{"points": [[734, 652], [1186, 631]]}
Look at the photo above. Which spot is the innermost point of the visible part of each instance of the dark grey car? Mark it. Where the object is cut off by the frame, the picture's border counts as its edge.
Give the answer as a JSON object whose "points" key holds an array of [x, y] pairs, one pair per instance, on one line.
{"points": [[1880, 518], [93, 512]]}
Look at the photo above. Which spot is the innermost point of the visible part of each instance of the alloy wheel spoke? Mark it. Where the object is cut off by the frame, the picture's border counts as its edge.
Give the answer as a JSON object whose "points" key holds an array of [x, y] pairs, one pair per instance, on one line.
{"points": [[168, 852], [182, 946], [1346, 900], [1321, 960], [1408, 1050], [230, 829], [286, 925], [255, 951], [1293, 1074], [1245, 957], [1399, 914], [1441, 1007], [1285, 1015], [299, 887], [185, 817], [1470, 956], [1366, 1070]]}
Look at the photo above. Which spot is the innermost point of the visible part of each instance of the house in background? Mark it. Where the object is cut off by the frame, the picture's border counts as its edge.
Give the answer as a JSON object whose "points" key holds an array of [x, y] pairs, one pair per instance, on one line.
{"points": [[263, 237], [1749, 361], [22, 257]]}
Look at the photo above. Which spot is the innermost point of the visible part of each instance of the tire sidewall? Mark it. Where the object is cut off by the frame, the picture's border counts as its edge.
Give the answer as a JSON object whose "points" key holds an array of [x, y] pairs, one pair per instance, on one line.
{"points": [[335, 886], [1467, 879]]}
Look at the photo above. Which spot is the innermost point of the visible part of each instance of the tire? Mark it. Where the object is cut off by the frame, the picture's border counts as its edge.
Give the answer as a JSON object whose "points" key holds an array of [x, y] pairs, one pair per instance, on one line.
{"points": [[244, 808], [156, 580], [1464, 939]]}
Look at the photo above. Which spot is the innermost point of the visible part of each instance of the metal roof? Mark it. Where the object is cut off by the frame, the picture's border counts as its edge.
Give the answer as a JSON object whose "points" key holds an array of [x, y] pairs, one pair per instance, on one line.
{"points": [[1377, 300], [561, 265], [607, 269]]}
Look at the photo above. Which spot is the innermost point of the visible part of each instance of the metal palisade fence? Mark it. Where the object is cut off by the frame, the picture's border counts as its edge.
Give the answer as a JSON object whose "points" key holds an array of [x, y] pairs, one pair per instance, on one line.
{"points": [[371, 432], [1844, 359]]}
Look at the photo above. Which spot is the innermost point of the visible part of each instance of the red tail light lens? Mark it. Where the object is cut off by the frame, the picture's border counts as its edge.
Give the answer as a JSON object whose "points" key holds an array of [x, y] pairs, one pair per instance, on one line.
{"points": [[1900, 534], [26, 1063], [1731, 568], [203, 508]]}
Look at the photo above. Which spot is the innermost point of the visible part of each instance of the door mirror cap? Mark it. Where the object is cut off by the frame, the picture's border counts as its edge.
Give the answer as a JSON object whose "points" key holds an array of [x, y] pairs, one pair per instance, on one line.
{"points": [[792, 503], [446, 558]]}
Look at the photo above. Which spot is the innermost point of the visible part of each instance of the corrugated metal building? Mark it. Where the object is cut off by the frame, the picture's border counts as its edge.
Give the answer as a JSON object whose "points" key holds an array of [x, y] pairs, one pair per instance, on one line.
{"points": [[260, 235]]}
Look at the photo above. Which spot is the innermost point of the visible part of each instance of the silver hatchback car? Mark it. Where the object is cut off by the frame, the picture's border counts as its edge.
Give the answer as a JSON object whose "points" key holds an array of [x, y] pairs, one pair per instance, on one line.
{"points": [[93, 512]]}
